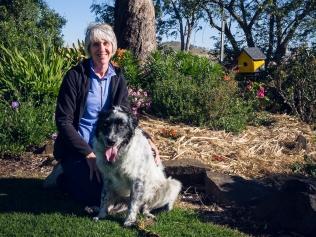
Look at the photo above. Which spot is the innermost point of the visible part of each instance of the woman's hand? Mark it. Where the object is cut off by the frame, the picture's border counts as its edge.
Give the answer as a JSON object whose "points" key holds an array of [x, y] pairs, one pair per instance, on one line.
{"points": [[91, 160], [155, 150]]}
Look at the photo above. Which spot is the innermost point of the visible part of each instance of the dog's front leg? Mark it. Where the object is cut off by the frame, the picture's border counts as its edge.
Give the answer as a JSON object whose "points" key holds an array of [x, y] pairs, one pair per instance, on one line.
{"points": [[136, 201], [105, 197]]}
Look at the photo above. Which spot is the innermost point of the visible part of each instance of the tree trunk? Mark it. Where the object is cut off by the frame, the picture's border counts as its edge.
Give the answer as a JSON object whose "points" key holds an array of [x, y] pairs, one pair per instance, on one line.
{"points": [[135, 26]]}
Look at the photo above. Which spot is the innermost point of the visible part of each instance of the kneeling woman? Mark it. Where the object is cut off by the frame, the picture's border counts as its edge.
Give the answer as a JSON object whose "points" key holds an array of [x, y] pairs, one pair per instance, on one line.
{"points": [[92, 86]]}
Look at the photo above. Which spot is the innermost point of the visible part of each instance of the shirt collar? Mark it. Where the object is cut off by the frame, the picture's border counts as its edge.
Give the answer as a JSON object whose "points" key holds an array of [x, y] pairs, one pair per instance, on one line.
{"points": [[110, 72]]}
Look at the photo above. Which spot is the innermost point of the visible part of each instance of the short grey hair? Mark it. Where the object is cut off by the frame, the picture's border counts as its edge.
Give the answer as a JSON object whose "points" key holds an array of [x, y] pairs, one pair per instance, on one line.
{"points": [[98, 32]]}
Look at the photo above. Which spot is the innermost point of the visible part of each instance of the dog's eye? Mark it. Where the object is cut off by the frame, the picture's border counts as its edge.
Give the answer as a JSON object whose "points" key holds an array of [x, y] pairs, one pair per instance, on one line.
{"points": [[121, 125]]}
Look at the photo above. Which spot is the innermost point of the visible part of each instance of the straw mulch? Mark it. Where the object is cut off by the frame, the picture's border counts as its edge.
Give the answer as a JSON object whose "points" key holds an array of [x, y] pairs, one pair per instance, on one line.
{"points": [[256, 152]]}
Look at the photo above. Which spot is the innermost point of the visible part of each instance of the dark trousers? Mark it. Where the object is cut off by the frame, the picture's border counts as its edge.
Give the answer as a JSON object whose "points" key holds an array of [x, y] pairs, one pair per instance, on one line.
{"points": [[76, 182]]}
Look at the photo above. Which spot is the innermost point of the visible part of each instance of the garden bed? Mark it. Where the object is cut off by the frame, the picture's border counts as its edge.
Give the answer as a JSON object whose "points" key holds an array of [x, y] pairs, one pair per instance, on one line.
{"points": [[256, 152]]}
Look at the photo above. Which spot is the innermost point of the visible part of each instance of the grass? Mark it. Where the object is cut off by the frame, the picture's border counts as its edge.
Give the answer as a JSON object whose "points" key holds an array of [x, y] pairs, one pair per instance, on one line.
{"points": [[28, 210]]}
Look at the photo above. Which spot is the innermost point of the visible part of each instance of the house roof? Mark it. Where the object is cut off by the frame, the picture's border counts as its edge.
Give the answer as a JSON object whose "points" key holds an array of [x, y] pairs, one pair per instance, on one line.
{"points": [[255, 53]]}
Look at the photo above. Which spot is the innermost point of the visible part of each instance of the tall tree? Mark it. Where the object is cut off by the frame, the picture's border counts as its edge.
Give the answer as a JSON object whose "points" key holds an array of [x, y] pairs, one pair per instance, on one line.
{"points": [[180, 17], [134, 25], [271, 25], [26, 23]]}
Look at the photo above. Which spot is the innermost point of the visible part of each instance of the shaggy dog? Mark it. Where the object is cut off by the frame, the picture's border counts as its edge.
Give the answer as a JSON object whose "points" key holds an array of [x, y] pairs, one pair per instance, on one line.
{"points": [[127, 165]]}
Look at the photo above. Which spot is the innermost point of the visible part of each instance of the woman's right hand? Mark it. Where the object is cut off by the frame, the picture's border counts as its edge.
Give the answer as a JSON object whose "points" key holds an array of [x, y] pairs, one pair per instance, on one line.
{"points": [[91, 160]]}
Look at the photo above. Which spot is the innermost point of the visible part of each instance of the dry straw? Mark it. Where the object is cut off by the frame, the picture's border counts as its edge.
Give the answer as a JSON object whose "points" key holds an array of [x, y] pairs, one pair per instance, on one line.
{"points": [[254, 153]]}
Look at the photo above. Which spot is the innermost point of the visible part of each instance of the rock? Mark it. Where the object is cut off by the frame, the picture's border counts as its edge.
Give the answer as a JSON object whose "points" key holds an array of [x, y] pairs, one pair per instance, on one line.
{"points": [[292, 147], [190, 172], [234, 189], [293, 208], [301, 143], [49, 148]]}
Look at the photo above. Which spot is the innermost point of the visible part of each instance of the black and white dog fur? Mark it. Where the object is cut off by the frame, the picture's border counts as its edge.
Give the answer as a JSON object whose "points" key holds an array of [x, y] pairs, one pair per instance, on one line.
{"points": [[128, 168]]}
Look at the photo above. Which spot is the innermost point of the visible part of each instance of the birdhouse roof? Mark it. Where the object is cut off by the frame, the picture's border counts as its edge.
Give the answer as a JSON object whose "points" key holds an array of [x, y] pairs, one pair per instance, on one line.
{"points": [[255, 53]]}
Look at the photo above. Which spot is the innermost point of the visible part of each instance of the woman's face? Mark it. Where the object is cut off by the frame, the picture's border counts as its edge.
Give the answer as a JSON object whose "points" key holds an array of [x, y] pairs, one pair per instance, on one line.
{"points": [[101, 52]]}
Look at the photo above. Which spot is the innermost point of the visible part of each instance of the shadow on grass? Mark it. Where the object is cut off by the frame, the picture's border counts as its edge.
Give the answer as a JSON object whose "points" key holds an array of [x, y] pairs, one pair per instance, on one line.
{"points": [[28, 196]]}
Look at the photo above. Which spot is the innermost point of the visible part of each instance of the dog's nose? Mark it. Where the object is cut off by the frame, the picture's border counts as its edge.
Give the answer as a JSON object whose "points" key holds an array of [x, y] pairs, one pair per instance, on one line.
{"points": [[110, 142]]}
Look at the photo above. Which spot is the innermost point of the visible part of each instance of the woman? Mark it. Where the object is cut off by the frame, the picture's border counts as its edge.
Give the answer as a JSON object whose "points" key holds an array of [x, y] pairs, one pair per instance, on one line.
{"points": [[92, 86]]}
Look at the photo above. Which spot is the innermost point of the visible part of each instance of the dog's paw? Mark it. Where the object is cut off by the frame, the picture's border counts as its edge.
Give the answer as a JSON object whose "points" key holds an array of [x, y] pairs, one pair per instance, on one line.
{"points": [[99, 217], [129, 223], [150, 216], [91, 210]]}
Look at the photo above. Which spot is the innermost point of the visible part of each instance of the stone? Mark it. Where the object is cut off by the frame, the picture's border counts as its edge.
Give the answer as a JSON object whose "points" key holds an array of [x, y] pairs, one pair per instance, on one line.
{"points": [[292, 208], [49, 148], [301, 143], [190, 172], [224, 188]]}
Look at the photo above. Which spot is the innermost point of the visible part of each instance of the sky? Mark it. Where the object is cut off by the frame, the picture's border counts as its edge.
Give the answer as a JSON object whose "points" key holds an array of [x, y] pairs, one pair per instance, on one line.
{"points": [[78, 16]]}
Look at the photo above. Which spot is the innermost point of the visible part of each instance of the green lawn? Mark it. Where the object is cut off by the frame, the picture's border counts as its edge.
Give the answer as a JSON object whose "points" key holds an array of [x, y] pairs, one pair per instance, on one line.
{"points": [[28, 210]]}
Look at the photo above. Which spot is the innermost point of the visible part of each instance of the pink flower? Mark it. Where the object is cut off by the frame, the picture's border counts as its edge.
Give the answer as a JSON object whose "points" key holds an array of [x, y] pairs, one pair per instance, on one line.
{"points": [[261, 92]]}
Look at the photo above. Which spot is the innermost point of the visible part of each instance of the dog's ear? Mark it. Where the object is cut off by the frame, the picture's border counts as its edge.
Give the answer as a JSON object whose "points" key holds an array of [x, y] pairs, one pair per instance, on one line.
{"points": [[125, 109], [100, 125], [134, 120]]}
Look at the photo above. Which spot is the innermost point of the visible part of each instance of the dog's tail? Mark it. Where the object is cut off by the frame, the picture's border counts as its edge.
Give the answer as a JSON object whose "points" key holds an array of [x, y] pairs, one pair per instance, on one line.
{"points": [[174, 187]]}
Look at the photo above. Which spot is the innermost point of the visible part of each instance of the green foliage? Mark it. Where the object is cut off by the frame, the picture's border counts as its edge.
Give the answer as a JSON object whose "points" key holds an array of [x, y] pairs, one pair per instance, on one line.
{"points": [[29, 23], [130, 66], [190, 89], [295, 84], [308, 168], [28, 125], [74, 54], [35, 75]]}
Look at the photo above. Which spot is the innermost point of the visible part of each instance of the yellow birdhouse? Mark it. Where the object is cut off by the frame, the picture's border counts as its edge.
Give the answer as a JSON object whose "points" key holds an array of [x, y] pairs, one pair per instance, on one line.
{"points": [[250, 60]]}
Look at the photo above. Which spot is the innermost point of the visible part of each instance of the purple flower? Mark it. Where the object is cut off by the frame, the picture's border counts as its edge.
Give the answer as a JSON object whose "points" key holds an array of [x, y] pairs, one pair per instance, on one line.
{"points": [[15, 105]]}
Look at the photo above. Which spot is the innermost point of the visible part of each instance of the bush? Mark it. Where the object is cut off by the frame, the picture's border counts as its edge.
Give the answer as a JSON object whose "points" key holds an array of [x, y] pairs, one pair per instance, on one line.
{"points": [[295, 84], [31, 76], [190, 89], [130, 66], [25, 124]]}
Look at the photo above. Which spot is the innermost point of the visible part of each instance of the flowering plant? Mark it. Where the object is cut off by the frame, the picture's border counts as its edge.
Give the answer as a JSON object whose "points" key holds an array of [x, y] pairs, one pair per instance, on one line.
{"points": [[15, 105], [257, 93], [139, 99]]}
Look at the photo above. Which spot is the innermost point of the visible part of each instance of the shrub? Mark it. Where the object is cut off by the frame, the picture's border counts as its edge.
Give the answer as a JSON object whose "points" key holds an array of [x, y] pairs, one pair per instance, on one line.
{"points": [[25, 124], [130, 66], [32, 76], [75, 53], [295, 83], [190, 89]]}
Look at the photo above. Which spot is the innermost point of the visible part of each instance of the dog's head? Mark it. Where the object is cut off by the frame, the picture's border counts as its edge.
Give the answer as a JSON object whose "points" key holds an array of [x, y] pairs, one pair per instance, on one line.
{"points": [[114, 130]]}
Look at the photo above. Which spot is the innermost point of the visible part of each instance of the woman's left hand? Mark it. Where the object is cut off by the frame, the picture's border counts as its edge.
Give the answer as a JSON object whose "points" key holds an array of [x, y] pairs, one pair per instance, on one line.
{"points": [[91, 160], [156, 151]]}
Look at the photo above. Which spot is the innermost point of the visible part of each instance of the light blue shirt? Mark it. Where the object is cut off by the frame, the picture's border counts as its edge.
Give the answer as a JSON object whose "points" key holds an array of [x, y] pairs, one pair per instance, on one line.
{"points": [[98, 100]]}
